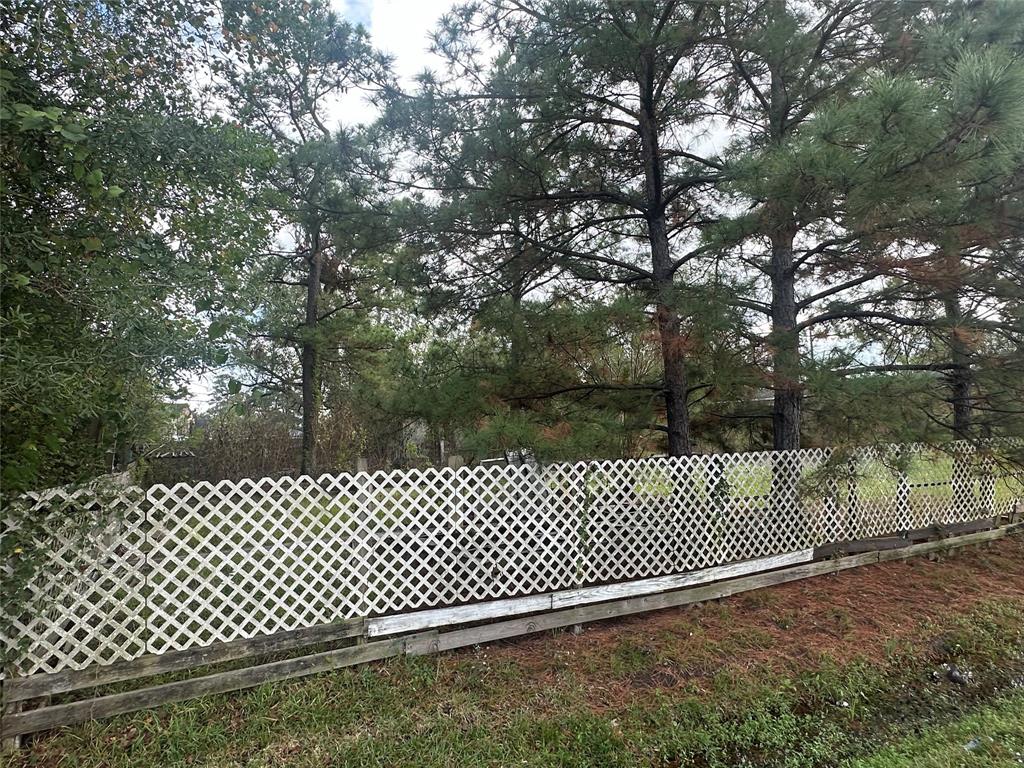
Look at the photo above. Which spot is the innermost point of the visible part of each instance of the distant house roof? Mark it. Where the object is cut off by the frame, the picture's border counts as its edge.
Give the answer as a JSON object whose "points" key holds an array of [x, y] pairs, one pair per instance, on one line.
{"points": [[176, 453]]}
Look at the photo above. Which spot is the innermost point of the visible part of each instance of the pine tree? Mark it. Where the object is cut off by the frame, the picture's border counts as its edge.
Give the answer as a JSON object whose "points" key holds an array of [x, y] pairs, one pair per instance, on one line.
{"points": [[606, 97], [784, 62], [284, 69], [930, 159]]}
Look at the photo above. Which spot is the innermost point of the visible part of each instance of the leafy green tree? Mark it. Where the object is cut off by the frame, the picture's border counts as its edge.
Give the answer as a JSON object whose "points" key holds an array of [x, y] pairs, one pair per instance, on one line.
{"points": [[588, 106], [567, 379], [125, 209], [783, 63], [865, 121], [939, 154]]}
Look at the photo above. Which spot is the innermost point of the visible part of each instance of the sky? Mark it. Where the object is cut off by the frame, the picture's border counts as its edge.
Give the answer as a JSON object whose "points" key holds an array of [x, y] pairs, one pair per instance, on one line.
{"points": [[398, 27]]}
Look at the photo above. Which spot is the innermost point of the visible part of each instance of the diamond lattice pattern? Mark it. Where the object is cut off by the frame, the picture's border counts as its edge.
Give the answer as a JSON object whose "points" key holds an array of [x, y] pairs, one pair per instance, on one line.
{"points": [[176, 567]]}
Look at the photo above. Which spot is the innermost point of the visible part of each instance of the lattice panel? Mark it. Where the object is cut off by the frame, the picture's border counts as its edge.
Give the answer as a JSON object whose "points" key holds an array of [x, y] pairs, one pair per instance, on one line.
{"points": [[191, 565], [86, 605], [257, 557]]}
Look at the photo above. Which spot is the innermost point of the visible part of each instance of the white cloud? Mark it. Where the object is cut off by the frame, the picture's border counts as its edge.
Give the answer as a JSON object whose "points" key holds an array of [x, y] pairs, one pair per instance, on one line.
{"points": [[356, 11], [402, 28]]}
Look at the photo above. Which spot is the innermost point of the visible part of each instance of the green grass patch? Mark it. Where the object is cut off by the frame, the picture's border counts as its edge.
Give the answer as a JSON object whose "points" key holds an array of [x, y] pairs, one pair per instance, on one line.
{"points": [[481, 709], [993, 736]]}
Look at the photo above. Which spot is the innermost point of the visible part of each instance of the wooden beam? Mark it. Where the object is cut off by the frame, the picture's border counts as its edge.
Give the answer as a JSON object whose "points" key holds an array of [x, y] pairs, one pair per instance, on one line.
{"points": [[580, 615], [438, 617], [867, 545], [21, 688], [222, 682], [462, 614], [956, 542], [956, 529], [584, 614], [10, 743], [571, 597], [16, 724], [904, 539]]}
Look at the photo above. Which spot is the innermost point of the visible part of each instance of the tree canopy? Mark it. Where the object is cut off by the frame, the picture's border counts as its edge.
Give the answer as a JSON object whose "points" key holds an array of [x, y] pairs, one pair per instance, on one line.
{"points": [[595, 229]]}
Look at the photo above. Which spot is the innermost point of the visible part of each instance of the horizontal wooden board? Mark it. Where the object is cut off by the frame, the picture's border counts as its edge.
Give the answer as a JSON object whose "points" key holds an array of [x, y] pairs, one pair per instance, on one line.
{"points": [[868, 545], [571, 597], [21, 688], [16, 724], [222, 682], [955, 542], [904, 539], [584, 614], [463, 614]]}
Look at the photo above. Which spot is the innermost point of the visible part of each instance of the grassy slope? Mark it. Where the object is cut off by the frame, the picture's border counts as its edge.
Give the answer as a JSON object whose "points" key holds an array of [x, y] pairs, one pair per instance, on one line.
{"points": [[784, 677], [993, 736]]}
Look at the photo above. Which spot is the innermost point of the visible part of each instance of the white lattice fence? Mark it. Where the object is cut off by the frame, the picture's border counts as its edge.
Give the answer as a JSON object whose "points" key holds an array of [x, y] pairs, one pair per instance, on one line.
{"points": [[191, 565], [87, 601]]}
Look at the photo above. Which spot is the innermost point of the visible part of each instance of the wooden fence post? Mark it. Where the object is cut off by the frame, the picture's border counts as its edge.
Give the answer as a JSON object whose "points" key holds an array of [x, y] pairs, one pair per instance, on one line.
{"points": [[10, 743]]}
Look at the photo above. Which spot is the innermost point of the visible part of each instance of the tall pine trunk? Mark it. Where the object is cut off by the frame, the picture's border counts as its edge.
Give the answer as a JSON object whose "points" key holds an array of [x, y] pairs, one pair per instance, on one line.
{"points": [[785, 500], [960, 381], [959, 377], [310, 395], [673, 360], [785, 344], [669, 331]]}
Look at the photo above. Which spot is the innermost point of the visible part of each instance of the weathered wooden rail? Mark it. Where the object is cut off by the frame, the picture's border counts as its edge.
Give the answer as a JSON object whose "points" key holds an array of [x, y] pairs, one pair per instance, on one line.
{"points": [[438, 630]]}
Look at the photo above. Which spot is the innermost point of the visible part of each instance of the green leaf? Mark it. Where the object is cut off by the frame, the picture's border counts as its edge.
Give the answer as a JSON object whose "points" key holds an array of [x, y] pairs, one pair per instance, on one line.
{"points": [[217, 329], [234, 386], [115, 191], [92, 244], [27, 110], [72, 133]]}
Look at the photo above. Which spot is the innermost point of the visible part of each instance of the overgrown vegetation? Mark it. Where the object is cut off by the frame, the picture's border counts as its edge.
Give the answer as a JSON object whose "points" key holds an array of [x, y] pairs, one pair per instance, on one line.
{"points": [[127, 203], [592, 230]]}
